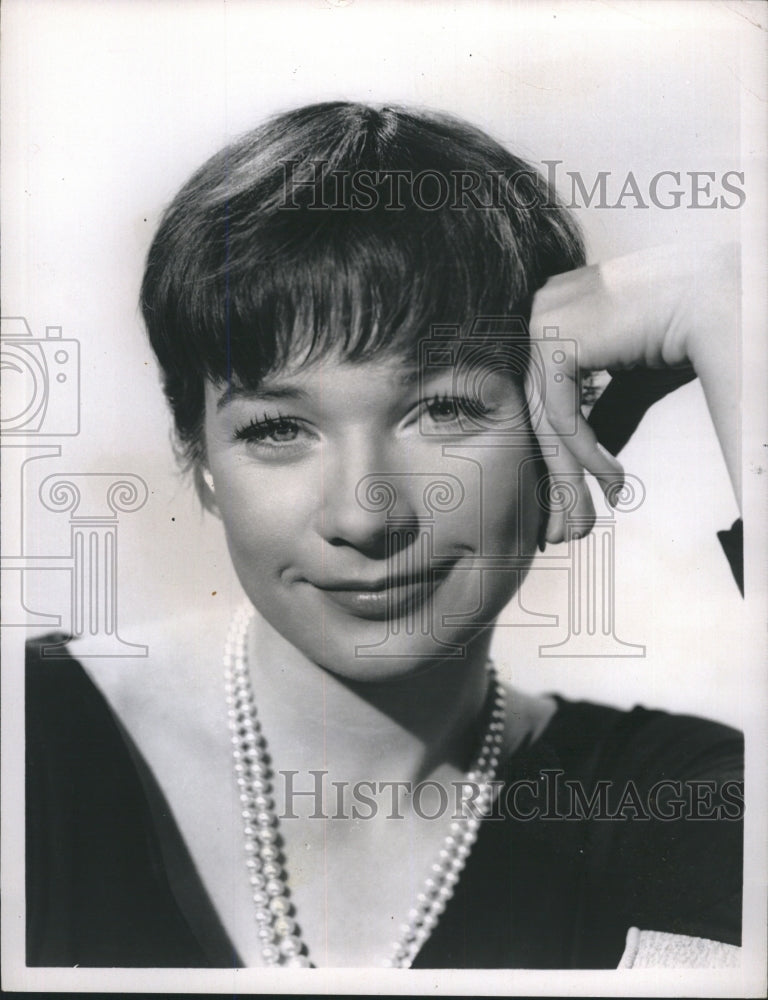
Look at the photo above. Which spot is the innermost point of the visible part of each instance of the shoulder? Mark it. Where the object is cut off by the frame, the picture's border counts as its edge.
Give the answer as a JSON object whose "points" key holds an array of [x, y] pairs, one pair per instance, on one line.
{"points": [[589, 736], [73, 699], [656, 801], [183, 653], [169, 702]]}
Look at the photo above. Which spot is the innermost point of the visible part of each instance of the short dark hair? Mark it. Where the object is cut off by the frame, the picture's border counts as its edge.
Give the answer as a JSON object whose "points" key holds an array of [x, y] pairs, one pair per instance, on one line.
{"points": [[264, 251]]}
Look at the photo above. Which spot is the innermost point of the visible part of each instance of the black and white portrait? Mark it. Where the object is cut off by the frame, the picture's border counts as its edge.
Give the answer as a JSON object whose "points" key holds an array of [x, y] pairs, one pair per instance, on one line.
{"points": [[383, 497]]}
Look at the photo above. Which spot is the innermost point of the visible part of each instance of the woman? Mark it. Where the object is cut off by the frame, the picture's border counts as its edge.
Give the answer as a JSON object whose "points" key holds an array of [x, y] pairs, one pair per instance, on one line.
{"points": [[349, 308]]}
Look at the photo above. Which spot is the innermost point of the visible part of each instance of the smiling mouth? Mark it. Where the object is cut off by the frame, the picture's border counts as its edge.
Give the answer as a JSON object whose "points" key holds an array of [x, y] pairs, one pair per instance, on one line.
{"points": [[387, 599]]}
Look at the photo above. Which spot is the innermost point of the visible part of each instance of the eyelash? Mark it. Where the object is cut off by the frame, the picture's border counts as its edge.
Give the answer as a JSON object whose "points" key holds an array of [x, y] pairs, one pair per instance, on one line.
{"points": [[259, 430], [460, 405]]}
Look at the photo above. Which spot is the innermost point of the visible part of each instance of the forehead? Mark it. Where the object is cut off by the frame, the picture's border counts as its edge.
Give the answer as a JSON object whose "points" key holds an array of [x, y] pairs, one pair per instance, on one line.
{"points": [[320, 378], [443, 351]]}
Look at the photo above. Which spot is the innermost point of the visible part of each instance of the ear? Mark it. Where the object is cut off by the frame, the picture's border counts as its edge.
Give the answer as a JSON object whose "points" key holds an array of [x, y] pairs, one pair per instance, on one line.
{"points": [[204, 486]]}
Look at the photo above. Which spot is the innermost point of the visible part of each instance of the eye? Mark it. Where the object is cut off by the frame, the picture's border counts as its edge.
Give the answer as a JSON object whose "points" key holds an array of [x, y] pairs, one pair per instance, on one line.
{"points": [[277, 433], [447, 409]]}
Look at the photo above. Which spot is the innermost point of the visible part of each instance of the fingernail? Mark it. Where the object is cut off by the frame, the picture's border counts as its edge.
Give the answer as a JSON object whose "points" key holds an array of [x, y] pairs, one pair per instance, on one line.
{"points": [[541, 541]]}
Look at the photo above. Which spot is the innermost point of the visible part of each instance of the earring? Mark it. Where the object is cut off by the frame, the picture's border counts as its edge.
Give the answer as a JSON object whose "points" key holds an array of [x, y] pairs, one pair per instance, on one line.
{"points": [[208, 479]]}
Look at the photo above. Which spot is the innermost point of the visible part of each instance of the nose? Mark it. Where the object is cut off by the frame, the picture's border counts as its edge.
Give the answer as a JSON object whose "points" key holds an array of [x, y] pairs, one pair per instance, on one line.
{"points": [[366, 504]]}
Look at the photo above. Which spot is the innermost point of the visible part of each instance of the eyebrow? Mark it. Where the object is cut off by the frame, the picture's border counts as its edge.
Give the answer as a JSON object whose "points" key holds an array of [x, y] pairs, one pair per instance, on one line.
{"points": [[266, 391], [233, 392]]}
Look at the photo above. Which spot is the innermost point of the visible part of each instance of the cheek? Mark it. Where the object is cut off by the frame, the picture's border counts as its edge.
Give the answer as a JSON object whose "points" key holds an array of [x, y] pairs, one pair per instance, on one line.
{"points": [[511, 505], [263, 521], [499, 513]]}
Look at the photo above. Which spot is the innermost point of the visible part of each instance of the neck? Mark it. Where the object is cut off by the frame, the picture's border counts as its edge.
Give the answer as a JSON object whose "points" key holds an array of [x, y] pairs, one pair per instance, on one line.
{"points": [[425, 724]]}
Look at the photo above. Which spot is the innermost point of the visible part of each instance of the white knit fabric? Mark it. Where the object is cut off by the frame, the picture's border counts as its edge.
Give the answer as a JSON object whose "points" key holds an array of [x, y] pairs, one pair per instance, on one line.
{"points": [[655, 949]]}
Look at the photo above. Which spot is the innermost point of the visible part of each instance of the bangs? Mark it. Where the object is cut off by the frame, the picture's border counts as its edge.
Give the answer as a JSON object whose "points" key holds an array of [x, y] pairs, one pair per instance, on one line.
{"points": [[357, 286], [260, 263]]}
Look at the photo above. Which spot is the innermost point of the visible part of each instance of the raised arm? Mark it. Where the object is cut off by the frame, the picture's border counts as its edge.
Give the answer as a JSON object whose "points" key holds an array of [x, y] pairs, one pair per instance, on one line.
{"points": [[665, 307]]}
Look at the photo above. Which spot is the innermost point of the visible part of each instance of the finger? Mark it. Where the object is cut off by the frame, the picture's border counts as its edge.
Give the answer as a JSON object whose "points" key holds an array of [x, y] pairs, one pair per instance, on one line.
{"points": [[560, 395], [571, 512]]}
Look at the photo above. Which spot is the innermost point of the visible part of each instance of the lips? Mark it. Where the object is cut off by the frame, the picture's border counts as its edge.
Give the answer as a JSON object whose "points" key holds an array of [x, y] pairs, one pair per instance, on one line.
{"points": [[386, 599]]}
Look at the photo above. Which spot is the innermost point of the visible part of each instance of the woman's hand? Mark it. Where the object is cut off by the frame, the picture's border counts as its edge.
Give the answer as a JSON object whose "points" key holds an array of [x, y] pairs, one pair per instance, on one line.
{"points": [[670, 307]]}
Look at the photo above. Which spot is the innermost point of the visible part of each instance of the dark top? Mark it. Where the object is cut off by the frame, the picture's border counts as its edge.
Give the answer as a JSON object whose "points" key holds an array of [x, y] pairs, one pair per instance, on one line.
{"points": [[617, 413], [577, 851]]}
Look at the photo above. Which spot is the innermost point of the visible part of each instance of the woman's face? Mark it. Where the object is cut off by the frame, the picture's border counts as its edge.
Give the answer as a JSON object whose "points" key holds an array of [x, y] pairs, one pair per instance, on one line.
{"points": [[379, 517]]}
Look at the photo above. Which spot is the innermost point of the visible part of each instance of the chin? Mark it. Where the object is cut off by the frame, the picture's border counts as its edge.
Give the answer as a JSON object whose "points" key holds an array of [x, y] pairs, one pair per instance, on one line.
{"points": [[372, 666]]}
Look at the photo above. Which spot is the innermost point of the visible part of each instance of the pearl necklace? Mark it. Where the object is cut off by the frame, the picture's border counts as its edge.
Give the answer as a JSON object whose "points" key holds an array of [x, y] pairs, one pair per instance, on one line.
{"points": [[276, 928]]}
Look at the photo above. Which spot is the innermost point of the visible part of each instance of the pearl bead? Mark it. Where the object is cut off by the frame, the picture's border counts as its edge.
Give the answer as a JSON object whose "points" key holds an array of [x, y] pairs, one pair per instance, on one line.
{"points": [[284, 925], [298, 961], [290, 946], [279, 906], [270, 954], [274, 887], [265, 934], [261, 898], [269, 852], [272, 869]]}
